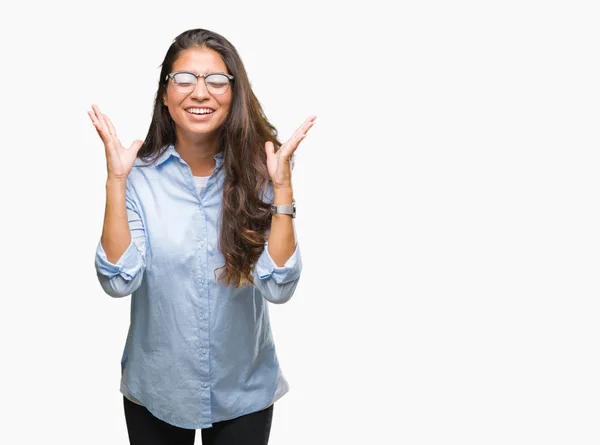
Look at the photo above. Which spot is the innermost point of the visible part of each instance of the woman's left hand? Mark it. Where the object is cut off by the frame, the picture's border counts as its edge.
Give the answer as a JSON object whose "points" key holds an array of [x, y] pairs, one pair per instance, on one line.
{"points": [[278, 164]]}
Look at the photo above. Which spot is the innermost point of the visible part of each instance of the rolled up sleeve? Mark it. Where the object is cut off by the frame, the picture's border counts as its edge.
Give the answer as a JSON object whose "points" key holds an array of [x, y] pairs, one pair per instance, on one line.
{"points": [[277, 284], [125, 276]]}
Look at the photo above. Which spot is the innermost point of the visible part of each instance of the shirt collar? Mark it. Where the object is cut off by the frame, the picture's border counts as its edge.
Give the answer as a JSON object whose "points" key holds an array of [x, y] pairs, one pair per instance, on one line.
{"points": [[170, 151]]}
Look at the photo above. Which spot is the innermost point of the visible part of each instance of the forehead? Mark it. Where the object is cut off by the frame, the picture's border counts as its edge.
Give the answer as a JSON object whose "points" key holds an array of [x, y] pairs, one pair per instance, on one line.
{"points": [[199, 61]]}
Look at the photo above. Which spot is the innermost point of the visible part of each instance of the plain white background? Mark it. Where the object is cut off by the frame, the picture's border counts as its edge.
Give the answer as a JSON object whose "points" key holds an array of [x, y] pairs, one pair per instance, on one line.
{"points": [[447, 213]]}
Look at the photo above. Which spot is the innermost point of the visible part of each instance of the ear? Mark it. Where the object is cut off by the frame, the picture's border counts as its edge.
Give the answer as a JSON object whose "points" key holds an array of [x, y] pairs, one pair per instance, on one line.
{"points": [[164, 99]]}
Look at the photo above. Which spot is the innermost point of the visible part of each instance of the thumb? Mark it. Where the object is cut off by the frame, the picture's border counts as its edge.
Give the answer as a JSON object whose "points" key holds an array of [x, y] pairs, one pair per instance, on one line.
{"points": [[136, 145], [269, 148]]}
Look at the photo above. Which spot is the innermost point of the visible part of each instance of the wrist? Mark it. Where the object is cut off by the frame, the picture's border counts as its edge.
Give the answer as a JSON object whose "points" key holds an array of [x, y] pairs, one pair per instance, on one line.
{"points": [[116, 182], [282, 195], [282, 186]]}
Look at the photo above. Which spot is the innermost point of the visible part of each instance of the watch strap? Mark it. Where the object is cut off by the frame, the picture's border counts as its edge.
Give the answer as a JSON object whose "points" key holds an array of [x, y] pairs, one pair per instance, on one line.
{"points": [[284, 209]]}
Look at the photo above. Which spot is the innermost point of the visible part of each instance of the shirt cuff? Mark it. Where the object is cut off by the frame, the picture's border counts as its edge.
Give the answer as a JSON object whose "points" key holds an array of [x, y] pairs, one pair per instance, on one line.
{"points": [[290, 271], [127, 266]]}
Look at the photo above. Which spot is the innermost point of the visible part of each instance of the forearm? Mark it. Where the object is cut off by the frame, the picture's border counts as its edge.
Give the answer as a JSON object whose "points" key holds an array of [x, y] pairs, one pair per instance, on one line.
{"points": [[116, 236], [282, 242]]}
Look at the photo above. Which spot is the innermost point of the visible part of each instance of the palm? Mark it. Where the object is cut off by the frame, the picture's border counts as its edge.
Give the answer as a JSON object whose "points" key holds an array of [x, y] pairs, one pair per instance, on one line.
{"points": [[119, 160], [279, 163]]}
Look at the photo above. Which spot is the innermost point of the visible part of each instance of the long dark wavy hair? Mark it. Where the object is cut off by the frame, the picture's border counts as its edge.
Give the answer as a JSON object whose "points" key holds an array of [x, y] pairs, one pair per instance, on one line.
{"points": [[245, 217]]}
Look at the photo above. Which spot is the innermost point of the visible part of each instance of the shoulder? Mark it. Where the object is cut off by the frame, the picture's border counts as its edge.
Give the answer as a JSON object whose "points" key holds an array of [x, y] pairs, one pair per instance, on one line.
{"points": [[139, 178], [142, 170]]}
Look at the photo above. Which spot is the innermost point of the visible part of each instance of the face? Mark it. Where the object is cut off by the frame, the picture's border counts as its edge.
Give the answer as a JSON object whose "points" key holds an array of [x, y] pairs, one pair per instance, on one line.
{"points": [[181, 105]]}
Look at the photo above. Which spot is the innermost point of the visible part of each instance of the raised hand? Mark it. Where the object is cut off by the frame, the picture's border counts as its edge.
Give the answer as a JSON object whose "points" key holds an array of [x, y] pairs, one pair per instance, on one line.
{"points": [[119, 160], [278, 164]]}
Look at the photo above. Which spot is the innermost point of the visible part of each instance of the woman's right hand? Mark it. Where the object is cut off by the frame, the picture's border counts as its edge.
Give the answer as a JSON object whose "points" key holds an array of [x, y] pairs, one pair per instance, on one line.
{"points": [[119, 160]]}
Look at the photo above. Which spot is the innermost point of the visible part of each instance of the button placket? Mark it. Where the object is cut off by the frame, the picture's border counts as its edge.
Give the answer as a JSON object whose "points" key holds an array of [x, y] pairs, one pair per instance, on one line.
{"points": [[203, 300]]}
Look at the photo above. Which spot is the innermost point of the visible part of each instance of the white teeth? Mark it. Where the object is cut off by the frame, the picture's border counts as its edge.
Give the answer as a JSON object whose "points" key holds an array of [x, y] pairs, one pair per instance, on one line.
{"points": [[200, 110]]}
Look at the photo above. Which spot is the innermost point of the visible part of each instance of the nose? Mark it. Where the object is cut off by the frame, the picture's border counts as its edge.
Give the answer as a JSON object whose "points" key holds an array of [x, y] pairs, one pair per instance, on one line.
{"points": [[201, 90]]}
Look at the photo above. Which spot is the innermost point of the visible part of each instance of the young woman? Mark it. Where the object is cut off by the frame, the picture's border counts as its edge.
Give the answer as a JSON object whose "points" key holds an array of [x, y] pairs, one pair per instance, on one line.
{"points": [[198, 227]]}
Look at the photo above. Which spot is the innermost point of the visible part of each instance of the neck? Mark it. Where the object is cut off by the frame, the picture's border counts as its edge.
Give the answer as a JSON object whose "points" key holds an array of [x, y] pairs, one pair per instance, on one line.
{"points": [[198, 153]]}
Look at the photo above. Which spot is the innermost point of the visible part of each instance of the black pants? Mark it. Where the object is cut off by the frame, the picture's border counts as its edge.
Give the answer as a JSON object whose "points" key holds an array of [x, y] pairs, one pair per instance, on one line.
{"points": [[145, 429]]}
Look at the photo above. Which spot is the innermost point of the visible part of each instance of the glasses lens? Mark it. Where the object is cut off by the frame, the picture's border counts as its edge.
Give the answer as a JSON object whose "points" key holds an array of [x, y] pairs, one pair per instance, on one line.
{"points": [[217, 83], [184, 82]]}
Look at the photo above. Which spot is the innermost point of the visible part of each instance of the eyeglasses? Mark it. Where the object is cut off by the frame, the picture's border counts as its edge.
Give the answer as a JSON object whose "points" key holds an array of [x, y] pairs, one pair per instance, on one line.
{"points": [[185, 83]]}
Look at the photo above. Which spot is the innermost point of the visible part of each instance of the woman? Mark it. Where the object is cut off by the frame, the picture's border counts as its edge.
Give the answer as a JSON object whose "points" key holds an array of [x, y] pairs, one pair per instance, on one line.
{"points": [[209, 190]]}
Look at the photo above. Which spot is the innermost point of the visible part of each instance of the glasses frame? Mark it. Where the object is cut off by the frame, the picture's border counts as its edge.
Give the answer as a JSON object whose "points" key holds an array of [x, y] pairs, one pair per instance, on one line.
{"points": [[204, 76]]}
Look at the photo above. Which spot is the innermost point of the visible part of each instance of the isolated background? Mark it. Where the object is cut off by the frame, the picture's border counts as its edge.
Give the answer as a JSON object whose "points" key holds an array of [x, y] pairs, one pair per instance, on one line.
{"points": [[447, 213]]}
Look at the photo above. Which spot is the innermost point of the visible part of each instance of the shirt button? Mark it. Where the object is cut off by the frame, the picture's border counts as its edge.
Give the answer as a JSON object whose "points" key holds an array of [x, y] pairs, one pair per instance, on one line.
{"points": [[204, 384], [201, 280], [203, 351], [202, 243]]}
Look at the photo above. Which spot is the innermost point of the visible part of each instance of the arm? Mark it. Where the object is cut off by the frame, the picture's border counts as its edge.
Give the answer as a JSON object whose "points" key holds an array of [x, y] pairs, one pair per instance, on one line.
{"points": [[282, 241], [278, 268], [120, 255]]}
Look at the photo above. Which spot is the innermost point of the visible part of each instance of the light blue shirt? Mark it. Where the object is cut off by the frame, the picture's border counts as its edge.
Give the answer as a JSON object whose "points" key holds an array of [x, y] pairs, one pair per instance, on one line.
{"points": [[197, 351]]}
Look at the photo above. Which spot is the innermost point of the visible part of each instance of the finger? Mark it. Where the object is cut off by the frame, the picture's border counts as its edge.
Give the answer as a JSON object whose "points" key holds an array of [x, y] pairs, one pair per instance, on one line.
{"points": [[97, 125], [96, 112], [102, 124], [92, 117], [306, 125], [301, 129], [111, 127], [299, 135], [291, 146], [309, 121], [287, 149], [102, 118], [102, 128]]}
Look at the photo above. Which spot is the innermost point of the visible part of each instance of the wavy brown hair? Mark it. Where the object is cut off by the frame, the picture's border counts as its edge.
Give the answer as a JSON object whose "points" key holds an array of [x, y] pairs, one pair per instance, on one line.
{"points": [[245, 217]]}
